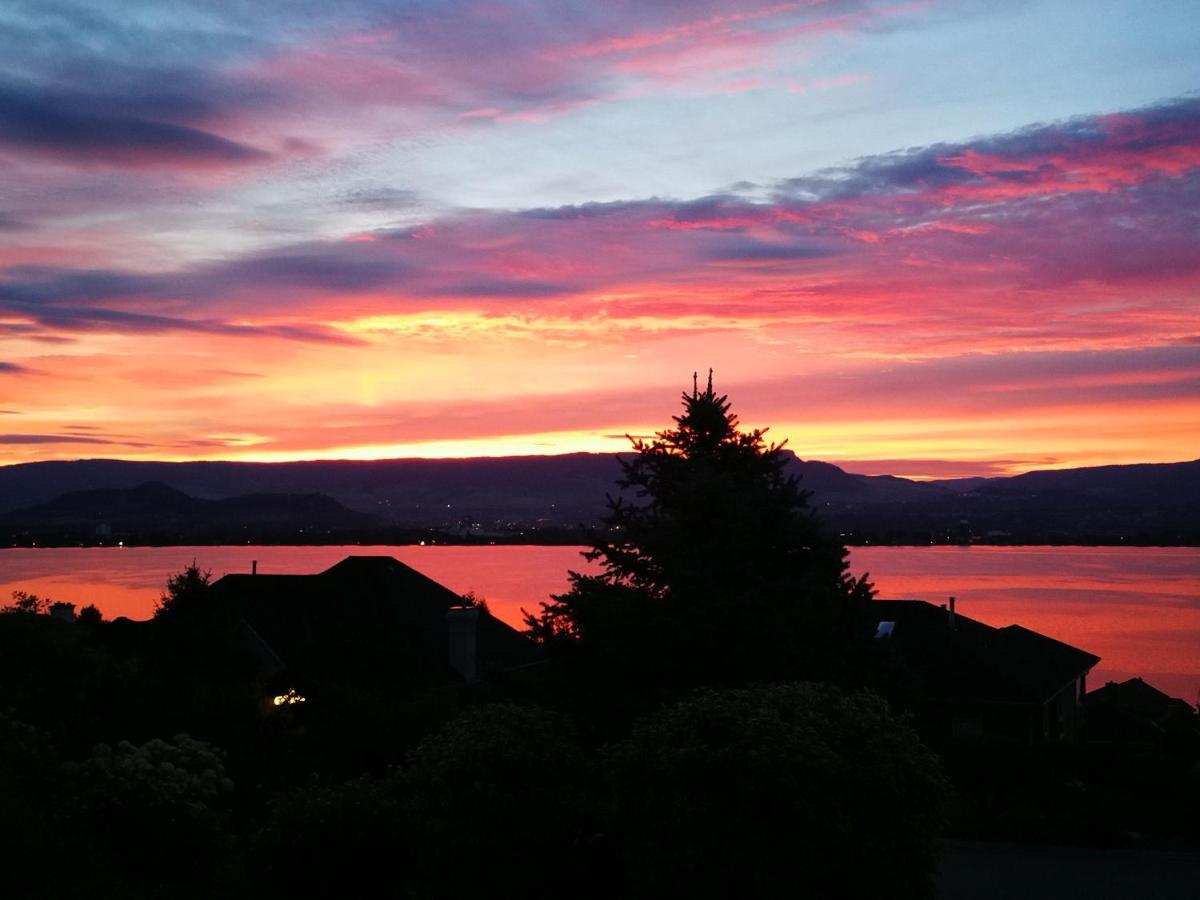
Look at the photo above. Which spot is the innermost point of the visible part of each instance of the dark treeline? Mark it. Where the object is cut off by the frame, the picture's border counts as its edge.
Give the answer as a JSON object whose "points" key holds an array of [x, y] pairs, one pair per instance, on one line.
{"points": [[710, 716]]}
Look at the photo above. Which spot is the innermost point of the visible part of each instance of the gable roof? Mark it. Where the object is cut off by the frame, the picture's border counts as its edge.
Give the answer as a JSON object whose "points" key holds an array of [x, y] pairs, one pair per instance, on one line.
{"points": [[969, 662], [1138, 698], [364, 600]]}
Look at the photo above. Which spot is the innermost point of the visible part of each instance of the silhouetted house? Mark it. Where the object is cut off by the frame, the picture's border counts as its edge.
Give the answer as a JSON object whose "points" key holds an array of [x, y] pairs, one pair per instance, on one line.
{"points": [[967, 680], [369, 618], [1133, 713]]}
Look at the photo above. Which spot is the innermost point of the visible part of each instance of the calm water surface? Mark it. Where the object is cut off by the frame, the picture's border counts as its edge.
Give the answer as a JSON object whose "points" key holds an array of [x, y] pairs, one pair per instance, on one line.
{"points": [[1137, 608]]}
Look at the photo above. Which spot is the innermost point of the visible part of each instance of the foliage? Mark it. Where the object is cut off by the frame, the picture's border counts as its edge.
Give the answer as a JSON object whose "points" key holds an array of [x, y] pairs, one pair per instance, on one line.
{"points": [[89, 616], [350, 726], [56, 677], [24, 602], [157, 805], [493, 783], [185, 594], [715, 571], [314, 835], [475, 599], [28, 829], [795, 789], [473, 798]]}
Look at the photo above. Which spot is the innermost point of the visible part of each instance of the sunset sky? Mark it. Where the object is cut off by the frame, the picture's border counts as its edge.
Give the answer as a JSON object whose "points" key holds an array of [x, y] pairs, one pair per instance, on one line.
{"points": [[939, 238]]}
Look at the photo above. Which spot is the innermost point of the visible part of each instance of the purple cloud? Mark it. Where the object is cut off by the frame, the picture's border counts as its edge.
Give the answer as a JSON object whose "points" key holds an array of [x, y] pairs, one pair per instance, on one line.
{"points": [[49, 439], [954, 240], [68, 126]]}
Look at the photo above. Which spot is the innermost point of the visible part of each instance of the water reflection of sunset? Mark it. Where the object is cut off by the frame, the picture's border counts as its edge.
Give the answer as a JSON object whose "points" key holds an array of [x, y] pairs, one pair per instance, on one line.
{"points": [[1137, 608]]}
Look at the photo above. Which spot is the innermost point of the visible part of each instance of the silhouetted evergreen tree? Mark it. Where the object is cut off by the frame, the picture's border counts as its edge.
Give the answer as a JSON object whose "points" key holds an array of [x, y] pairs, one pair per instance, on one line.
{"points": [[186, 592], [714, 569]]}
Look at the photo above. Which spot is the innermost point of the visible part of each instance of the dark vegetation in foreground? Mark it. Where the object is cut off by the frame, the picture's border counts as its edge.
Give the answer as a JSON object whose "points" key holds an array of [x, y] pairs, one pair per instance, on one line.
{"points": [[711, 718]]}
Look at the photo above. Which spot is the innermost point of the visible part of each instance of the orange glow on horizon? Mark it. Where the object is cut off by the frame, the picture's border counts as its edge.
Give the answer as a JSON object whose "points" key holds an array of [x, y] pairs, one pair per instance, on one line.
{"points": [[933, 324]]}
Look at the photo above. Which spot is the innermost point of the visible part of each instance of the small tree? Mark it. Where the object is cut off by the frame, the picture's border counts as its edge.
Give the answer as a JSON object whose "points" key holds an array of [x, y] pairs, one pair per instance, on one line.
{"points": [[24, 602], [90, 616], [185, 594], [715, 570]]}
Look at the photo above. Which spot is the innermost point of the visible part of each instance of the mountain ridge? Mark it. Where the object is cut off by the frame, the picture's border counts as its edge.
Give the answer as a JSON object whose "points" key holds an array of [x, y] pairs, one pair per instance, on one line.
{"points": [[1147, 502], [156, 512]]}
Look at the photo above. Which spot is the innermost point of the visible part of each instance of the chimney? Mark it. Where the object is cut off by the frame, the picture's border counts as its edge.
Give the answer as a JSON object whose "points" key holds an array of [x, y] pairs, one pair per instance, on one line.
{"points": [[64, 611], [462, 631], [254, 567], [951, 613]]}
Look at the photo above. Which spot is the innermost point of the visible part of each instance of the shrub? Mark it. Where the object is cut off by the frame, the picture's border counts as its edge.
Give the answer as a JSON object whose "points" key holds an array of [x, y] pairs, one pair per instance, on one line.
{"points": [[318, 840], [783, 789], [154, 806], [30, 837], [501, 787]]}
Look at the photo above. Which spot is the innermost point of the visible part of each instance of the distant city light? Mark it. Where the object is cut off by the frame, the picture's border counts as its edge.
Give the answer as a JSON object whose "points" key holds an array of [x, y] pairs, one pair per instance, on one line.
{"points": [[291, 698]]}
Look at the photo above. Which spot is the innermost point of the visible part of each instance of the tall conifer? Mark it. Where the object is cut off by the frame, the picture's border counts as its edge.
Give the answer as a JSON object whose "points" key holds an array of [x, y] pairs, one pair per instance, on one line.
{"points": [[713, 566]]}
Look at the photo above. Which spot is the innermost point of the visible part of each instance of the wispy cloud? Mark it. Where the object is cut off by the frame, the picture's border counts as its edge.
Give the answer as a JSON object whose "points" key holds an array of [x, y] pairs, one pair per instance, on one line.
{"points": [[439, 225], [21, 439], [848, 249]]}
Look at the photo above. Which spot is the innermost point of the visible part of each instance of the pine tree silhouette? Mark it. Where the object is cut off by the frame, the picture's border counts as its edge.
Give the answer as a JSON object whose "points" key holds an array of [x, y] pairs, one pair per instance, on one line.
{"points": [[713, 566]]}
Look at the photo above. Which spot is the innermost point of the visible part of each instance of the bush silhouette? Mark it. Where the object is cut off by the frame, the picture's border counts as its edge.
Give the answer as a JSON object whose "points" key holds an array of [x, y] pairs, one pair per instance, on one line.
{"points": [[784, 789], [320, 838], [157, 807], [495, 786]]}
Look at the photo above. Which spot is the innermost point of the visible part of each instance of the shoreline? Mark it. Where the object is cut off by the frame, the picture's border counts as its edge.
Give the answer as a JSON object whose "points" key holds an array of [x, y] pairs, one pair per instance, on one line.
{"points": [[577, 540]]}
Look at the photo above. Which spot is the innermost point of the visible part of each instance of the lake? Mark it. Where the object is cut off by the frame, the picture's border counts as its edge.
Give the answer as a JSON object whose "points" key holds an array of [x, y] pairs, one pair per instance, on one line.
{"points": [[1138, 608]]}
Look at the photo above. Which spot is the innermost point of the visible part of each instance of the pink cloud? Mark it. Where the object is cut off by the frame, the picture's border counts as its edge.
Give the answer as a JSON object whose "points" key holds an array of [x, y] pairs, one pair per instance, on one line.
{"points": [[624, 44], [491, 65], [1064, 299]]}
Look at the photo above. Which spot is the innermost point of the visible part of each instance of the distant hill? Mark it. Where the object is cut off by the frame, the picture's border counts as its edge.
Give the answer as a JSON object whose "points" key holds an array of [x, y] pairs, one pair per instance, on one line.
{"points": [[1139, 504], [1149, 481], [528, 495], [157, 512], [567, 488]]}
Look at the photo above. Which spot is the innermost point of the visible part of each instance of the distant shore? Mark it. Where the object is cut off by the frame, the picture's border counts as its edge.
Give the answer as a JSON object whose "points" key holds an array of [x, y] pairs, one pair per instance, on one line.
{"points": [[549, 538]]}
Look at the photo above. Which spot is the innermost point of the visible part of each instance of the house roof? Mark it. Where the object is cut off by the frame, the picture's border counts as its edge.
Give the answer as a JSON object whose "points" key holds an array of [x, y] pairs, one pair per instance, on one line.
{"points": [[969, 662], [364, 600], [1137, 698], [1133, 712]]}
